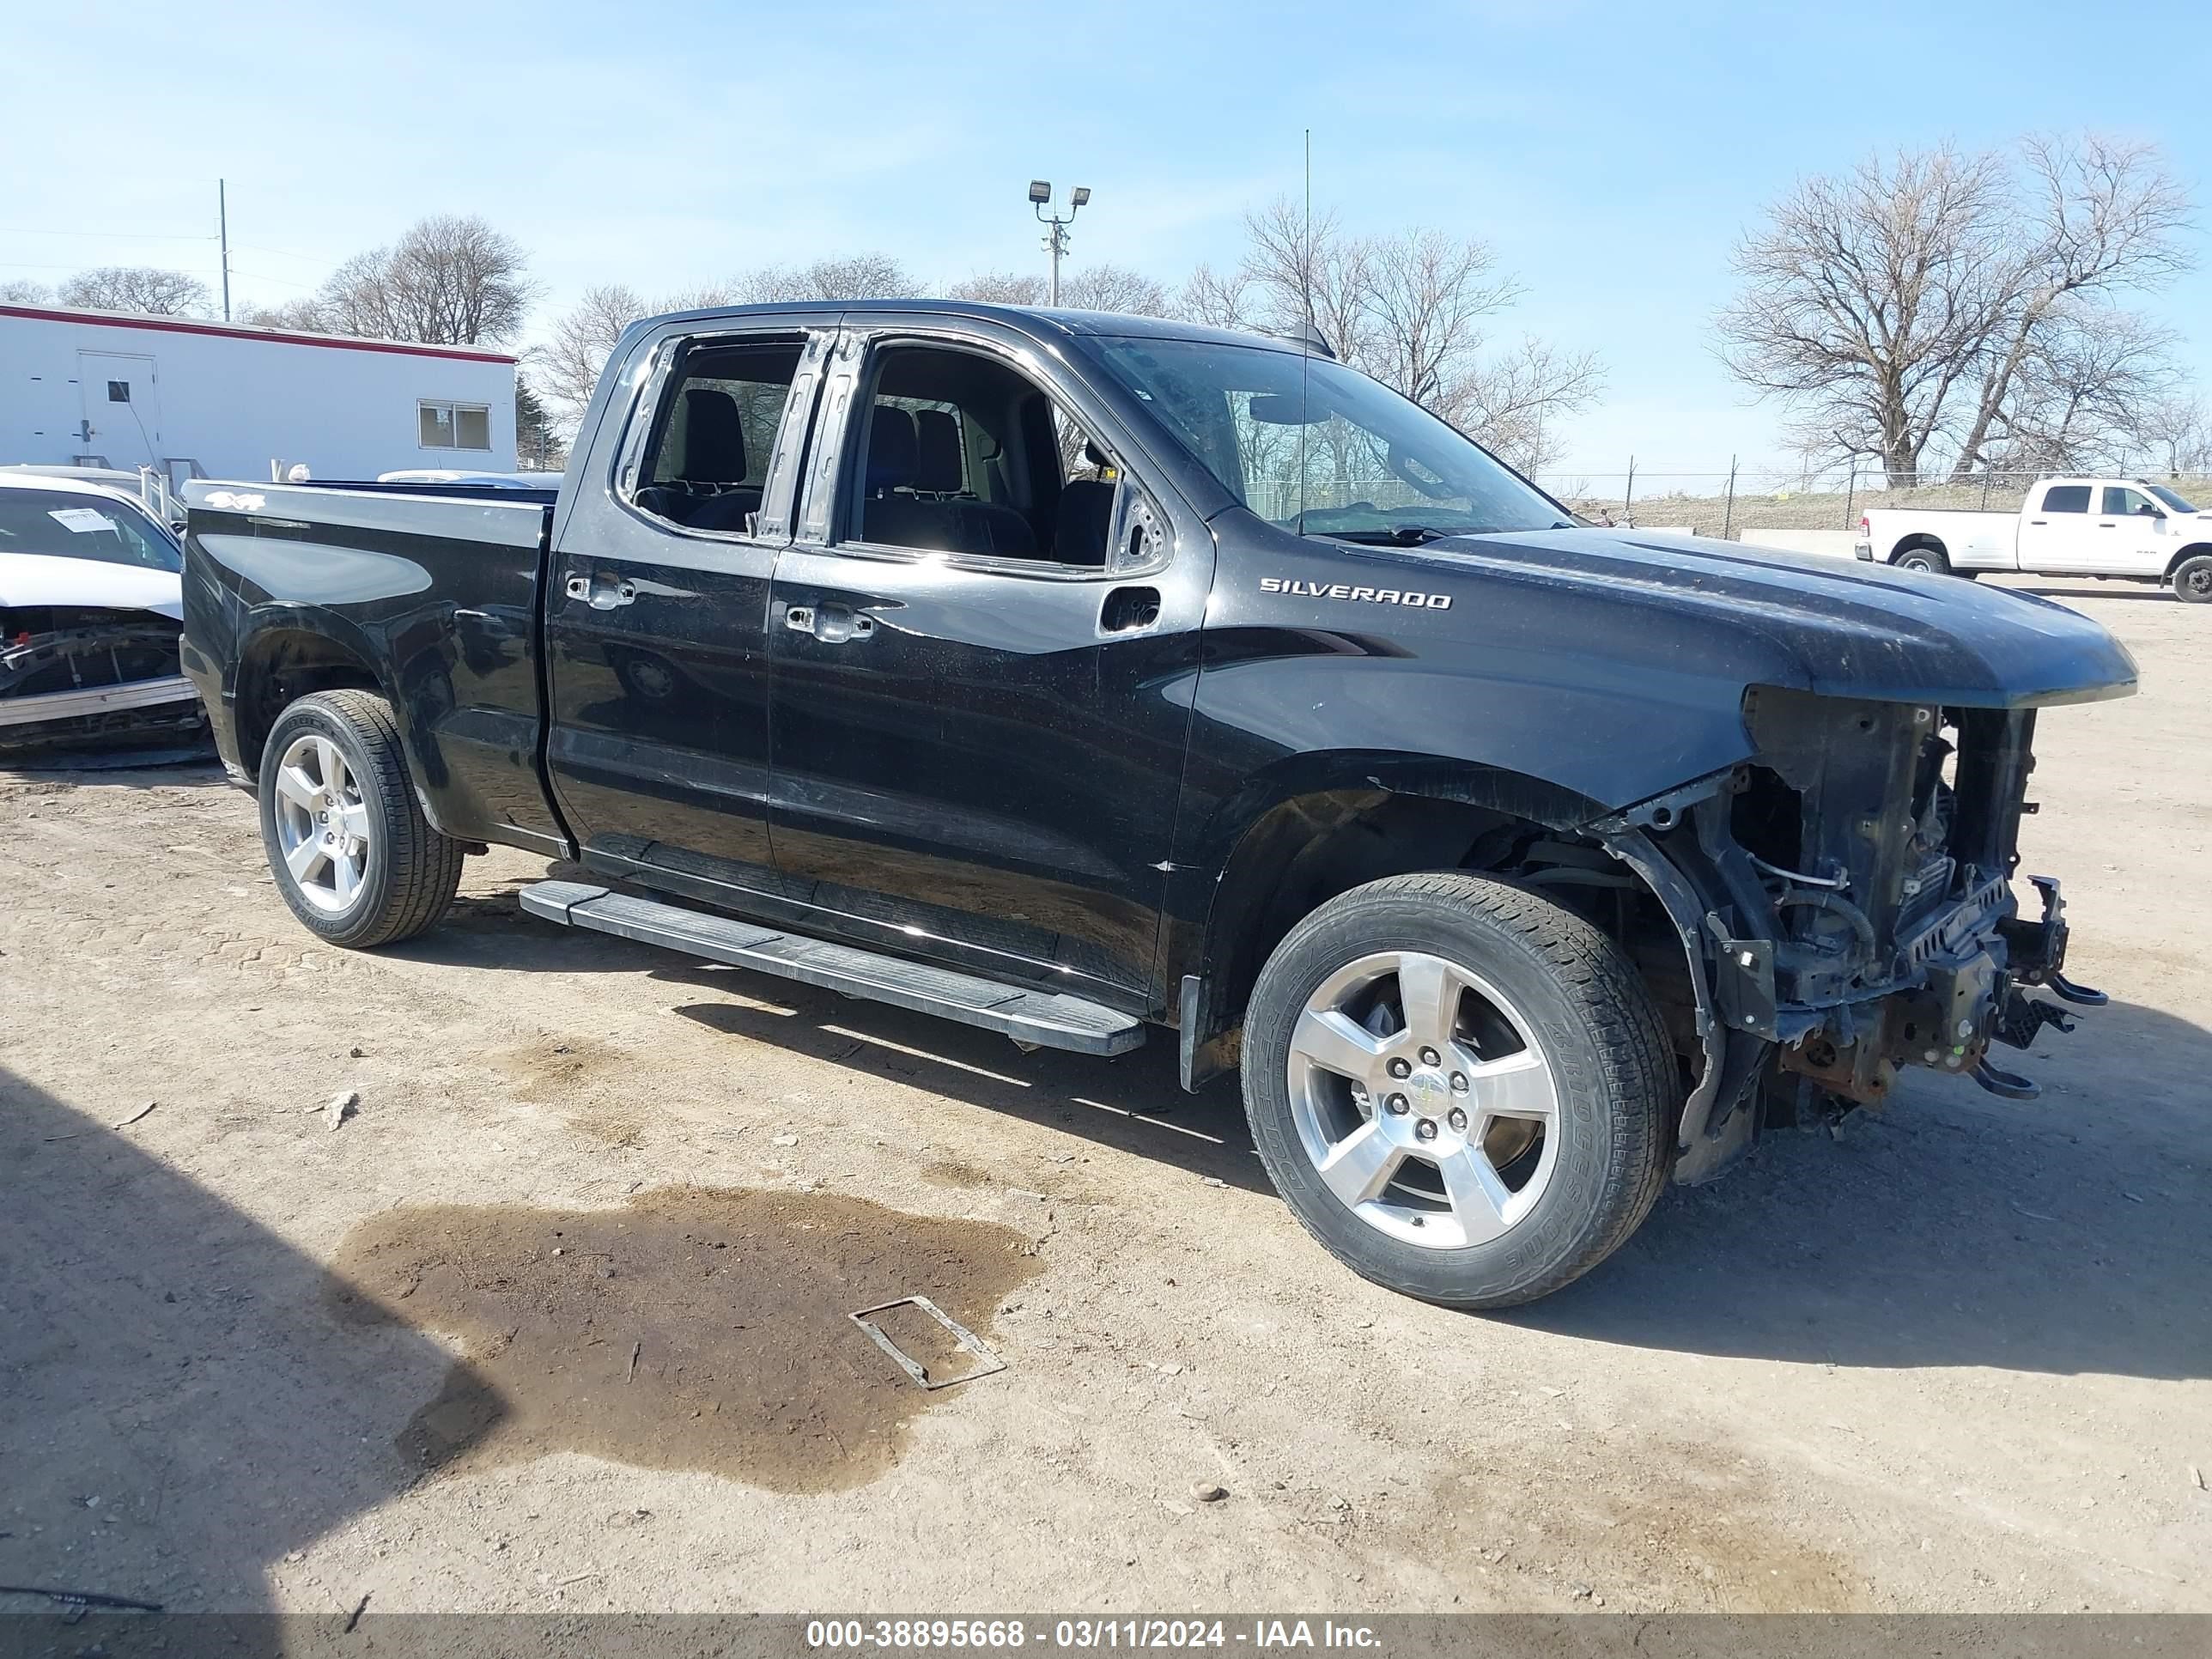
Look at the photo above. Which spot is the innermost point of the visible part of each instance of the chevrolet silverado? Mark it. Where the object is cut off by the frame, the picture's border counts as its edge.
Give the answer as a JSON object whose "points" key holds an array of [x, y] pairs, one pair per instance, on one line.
{"points": [[1078, 677]]}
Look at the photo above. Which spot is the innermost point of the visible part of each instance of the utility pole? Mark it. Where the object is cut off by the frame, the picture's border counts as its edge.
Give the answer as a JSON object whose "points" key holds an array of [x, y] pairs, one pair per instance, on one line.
{"points": [[1055, 238], [222, 223]]}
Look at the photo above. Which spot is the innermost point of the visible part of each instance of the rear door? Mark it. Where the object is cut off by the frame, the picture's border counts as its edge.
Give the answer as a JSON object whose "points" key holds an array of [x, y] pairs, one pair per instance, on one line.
{"points": [[984, 638], [657, 606], [2055, 527]]}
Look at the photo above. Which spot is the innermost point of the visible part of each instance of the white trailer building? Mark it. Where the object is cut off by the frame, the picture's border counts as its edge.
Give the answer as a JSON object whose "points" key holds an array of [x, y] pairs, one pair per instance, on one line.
{"points": [[222, 400]]}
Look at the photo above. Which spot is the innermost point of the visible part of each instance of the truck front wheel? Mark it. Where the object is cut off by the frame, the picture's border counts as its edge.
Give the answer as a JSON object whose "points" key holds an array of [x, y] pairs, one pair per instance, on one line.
{"points": [[1464, 1091], [346, 842], [2192, 580]]}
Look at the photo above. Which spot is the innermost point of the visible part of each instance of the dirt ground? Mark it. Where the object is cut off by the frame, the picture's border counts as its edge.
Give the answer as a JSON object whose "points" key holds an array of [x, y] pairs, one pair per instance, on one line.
{"points": [[1955, 1358]]}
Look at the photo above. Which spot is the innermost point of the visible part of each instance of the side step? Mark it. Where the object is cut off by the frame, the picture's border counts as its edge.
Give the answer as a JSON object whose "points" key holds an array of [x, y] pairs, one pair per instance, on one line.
{"points": [[1043, 1019]]}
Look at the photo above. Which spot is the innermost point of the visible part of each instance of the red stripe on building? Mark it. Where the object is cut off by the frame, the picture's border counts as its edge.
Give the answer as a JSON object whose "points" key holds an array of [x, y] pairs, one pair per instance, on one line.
{"points": [[272, 336]]}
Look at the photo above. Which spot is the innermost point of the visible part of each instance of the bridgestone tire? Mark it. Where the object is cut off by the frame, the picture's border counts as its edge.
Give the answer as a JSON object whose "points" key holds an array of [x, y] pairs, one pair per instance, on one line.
{"points": [[1613, 1073], [412, 871]]}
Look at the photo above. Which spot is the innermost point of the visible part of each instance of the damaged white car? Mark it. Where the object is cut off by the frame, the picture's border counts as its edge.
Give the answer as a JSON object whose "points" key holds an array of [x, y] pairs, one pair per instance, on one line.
{"points": [[90, 602]]}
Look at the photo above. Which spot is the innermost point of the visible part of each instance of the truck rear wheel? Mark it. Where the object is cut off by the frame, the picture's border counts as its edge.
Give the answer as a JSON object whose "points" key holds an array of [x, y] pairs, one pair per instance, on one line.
{"points": [[346, 842], [2192, 580], [1929, 559], [1463, 1091]]}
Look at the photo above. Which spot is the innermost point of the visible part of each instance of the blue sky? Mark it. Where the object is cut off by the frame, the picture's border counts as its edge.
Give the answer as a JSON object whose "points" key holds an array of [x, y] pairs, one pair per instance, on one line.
{"points": [[1610, 153]]}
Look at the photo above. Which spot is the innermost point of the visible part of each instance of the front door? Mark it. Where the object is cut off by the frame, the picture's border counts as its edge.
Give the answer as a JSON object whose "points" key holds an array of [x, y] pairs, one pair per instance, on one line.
{"points": [[984, 639], [122, 411], [2125, 541], [658, 740]]}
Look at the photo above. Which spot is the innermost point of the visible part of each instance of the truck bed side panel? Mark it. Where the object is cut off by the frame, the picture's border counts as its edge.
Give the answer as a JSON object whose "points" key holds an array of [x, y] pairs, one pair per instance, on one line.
{"points": [[437, 599], [1971, 540]]}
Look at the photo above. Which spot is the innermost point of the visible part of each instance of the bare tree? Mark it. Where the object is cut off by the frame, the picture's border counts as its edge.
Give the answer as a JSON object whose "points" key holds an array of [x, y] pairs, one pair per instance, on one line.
{"points": [[1426, 297], [449, 281], [2082, 391], [576, 348], [24, 293], [858, 276], [2104, 217], [303, 316], [1410, 310], [1307, 272], [1866, 298], [137, 288], [2177, 431], [1901, 311], [1219, 299], [999, 288], [1511, 402], [1113, 288]]}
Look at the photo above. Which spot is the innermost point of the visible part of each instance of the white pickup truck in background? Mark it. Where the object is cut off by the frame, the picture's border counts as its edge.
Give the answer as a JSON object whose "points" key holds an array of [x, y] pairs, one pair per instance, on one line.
{"points": [[2118, 527]]}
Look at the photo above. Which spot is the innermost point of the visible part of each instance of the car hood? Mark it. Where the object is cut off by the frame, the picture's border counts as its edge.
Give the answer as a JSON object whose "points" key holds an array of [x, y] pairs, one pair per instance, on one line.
{"points": [[1822, 625], [37, 579]]}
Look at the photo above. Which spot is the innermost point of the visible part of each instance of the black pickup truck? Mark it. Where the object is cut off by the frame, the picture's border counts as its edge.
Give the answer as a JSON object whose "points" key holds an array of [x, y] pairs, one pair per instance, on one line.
{"points": [[1071, 675]]}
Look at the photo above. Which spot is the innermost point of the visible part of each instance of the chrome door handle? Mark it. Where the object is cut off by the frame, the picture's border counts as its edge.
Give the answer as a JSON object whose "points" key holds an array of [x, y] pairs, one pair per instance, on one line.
{"points": [[600, 595]]}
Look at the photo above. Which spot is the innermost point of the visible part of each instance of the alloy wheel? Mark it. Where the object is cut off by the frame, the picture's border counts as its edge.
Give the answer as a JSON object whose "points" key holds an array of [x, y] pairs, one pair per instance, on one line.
{"points": [[322, 824], [1424, 1099]]}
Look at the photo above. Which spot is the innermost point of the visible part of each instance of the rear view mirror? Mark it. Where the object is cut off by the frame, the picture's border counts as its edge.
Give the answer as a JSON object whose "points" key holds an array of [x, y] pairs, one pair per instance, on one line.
{"points": [[1279, 408]]}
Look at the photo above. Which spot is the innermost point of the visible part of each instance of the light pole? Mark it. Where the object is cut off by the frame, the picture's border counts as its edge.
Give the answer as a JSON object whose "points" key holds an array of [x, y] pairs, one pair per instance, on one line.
{"points": [[1055, 238]]}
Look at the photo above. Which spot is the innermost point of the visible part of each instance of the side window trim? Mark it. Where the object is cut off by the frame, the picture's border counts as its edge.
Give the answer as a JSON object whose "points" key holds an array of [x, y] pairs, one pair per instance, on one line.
{"points": [[779, 486]]}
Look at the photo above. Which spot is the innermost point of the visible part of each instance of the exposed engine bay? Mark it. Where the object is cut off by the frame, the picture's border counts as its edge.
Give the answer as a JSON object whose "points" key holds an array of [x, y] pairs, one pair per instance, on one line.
{"points": [[1850, 889]]}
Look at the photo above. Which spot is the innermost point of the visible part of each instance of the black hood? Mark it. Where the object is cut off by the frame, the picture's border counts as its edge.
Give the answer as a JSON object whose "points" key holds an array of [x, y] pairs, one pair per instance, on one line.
{"points": [[1823, 625]]}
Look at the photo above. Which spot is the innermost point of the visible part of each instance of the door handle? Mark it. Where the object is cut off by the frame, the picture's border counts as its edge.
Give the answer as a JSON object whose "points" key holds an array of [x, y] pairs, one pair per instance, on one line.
{"points": [[600, 594], [833, 624], [2039, 521]]}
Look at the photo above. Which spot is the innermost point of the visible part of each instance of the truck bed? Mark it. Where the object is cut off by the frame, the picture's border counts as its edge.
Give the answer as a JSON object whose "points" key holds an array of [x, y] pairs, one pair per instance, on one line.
{"points": [[438, 583]]}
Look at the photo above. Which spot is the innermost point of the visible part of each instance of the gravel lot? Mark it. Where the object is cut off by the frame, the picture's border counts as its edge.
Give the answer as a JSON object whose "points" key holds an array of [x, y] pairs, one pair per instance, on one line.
{"points": [[1955, 1358]]}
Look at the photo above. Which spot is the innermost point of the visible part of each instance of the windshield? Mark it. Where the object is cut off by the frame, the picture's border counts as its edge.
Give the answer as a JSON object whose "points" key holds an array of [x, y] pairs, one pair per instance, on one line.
{"points": [[1338, 455], [63, 524], [2169, 498]]}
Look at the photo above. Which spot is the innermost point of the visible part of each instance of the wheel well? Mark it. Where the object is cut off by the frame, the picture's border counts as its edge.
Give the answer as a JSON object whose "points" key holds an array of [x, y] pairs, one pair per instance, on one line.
{"points": [[1911, 543], [2194, 550], [282, 666], [1308, 849]]}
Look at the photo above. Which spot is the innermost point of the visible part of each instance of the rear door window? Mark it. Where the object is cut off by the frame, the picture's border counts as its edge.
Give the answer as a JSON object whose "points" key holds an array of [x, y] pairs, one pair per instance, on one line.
{"points": [[2066, 498], [714, 434]]}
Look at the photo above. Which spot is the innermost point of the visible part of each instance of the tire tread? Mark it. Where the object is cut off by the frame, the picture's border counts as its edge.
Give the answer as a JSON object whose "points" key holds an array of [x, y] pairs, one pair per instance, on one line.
{"points": [[1627, 1038]]}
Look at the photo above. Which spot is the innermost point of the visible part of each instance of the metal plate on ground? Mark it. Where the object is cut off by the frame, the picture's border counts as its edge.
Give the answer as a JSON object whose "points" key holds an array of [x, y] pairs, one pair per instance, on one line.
{"points": [[986, 1362]]}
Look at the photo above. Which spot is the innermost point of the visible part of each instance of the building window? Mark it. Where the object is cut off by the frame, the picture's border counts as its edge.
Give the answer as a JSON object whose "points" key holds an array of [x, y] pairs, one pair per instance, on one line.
{"points": [[454, 426]]}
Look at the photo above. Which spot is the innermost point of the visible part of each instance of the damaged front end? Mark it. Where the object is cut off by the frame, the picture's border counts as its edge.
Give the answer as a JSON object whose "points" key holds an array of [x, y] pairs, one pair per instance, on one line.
{"points": [[1849, 892], [74, 676]]}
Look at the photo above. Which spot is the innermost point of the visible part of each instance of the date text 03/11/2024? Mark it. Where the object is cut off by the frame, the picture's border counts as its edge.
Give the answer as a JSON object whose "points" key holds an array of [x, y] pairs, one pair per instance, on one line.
{"points": [[1261, 1635]]}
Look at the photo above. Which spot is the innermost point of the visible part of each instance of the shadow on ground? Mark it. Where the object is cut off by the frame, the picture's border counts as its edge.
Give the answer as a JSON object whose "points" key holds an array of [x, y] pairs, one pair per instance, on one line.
{"points": [[2063, 1235], [171, 1389], [2097, 590]]}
